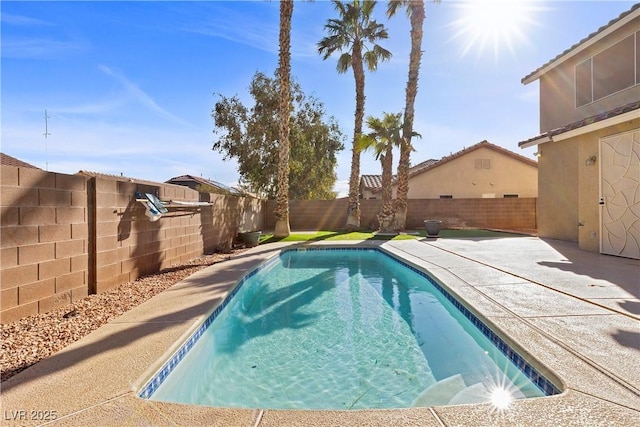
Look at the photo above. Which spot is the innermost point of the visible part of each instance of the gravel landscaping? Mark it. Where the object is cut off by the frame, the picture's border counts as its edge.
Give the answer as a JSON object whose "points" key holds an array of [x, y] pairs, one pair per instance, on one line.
{"points": [[33, 338]]}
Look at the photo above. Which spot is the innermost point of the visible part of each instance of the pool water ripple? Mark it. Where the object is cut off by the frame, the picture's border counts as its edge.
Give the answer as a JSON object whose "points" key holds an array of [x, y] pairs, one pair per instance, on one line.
{"points": [[325, 329]]}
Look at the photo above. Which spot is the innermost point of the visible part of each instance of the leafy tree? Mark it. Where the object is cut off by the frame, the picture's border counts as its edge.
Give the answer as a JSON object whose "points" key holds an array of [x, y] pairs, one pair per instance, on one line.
{"points": [[355, 34], [416, 14], [282, 228], [251, 134]]}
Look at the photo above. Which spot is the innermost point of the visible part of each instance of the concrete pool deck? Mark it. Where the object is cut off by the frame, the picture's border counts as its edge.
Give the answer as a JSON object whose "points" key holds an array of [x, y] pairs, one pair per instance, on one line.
{"points": [[577, 314]]}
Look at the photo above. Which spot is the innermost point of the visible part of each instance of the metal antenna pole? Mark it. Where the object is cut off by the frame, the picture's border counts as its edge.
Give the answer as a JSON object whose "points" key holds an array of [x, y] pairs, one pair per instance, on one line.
{"points": [[46, 134]]}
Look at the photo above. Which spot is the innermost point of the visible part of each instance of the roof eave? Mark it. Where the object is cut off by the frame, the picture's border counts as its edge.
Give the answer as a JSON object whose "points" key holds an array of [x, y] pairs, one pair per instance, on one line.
{"points": [[555, 136], [612, 121], [540, 140], [581, 47]]}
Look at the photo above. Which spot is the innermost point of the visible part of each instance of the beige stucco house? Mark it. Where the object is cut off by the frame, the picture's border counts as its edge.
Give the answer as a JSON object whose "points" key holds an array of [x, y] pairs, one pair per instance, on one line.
{"points": [[483, 170], [589, 146]]}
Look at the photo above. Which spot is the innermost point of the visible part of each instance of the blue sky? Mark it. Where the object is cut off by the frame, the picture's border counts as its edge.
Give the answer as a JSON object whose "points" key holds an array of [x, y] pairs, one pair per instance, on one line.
{"points": [[129, 86]]}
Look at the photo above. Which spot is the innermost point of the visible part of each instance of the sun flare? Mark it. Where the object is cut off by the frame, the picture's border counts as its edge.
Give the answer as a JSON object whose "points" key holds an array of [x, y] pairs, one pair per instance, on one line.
{"points": [[501, 398], [494, 24]]}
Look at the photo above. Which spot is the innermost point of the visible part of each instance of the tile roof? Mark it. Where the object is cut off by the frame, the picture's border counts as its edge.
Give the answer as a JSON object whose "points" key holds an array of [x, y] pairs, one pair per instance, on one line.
{"points": [[370, 180], [487, 144], [583, 41], [375, 181], [422, 165], [7, 160], [585, 122]]}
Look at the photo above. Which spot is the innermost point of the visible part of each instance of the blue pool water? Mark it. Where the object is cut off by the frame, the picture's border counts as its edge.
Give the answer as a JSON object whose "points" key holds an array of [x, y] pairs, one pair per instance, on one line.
{"points": [[343, 329]]}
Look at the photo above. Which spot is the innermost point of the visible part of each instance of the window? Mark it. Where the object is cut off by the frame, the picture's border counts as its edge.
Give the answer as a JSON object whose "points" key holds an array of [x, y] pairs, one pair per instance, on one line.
{"points": [[446, 196], [483, 163], [610, 71], [613, 69], [638, 58], [584, 91], [510, 196]]}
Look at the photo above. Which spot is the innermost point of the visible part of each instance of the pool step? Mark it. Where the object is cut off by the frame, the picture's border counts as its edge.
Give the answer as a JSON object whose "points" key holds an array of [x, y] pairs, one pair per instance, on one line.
{"points": [[441, 392], [453, 391], [476, 393]]}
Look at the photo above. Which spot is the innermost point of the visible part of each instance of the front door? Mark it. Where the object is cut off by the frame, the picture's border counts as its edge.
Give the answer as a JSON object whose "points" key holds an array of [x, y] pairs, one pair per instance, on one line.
{"points": [[620, 194]]}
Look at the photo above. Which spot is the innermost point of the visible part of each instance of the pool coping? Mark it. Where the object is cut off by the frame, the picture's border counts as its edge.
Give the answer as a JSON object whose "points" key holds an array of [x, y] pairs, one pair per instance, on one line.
{"points": [[88, 381]]}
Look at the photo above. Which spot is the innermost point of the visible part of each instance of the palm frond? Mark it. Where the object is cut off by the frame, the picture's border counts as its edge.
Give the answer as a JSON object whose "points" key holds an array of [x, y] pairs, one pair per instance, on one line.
{"points": [[344, 63]]}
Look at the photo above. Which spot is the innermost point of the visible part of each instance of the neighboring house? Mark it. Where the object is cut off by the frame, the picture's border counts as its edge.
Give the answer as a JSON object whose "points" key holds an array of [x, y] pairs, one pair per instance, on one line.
{"points": [[370, 186], [483, 170], [589, 146], [204, 185], [6, 160]]}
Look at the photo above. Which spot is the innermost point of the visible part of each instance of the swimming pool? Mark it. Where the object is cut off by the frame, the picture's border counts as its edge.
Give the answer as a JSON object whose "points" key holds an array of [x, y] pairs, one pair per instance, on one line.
{"points": [[343, 329]]}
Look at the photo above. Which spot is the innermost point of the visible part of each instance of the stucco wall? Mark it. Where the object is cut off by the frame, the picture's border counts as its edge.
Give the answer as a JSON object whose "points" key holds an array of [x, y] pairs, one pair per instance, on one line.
{"points": [[588, 194], [461, 179], [368, 194], [558, 191], [589, 177], [569, 189], [557, 87]]}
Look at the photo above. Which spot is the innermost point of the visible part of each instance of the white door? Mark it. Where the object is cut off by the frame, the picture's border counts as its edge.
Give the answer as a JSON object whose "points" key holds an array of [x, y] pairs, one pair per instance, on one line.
{"points": [[620, 194]]}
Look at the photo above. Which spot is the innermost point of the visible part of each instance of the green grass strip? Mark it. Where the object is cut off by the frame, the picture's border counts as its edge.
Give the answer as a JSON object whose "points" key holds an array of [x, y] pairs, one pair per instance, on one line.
{"points": [[363, 235]]}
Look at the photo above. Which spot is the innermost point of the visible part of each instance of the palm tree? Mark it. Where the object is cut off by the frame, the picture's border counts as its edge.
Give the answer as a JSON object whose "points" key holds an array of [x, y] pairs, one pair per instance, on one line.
{"points": [[384, 136], [355, 34], [282, 228], [416, 13]]}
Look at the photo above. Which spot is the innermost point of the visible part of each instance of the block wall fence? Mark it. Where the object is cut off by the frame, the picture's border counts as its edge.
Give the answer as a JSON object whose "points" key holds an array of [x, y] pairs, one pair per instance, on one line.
{"points": [[504, 214], [66, 236], [63, 237]]}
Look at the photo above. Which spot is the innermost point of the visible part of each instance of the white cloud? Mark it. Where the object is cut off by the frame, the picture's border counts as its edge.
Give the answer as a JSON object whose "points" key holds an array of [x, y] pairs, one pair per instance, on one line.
{"points": [[143, 152], [21, 20], [40, 48], [89, 109], [254, 30], [142, 97]]}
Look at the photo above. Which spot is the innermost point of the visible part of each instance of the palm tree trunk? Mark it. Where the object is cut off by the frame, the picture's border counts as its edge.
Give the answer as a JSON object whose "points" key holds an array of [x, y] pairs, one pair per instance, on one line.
{"points": [[353, 214], [282, 228], [385, 218], [417, 20]]}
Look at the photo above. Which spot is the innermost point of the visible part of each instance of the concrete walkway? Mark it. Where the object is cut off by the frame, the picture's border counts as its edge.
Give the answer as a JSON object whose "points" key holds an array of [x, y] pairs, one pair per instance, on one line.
{"points": [[576, 313]]}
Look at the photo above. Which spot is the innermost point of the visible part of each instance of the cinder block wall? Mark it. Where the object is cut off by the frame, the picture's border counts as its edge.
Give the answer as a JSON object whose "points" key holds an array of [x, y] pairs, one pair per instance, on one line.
{"points": [[323, 214], [506, 214], [311, 214], [44, 241], [65, 236], [129, 245]]}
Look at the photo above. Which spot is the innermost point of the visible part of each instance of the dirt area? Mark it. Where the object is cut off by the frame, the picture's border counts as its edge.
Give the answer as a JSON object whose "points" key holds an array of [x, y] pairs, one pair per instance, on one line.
{"points": [[31, 339]]}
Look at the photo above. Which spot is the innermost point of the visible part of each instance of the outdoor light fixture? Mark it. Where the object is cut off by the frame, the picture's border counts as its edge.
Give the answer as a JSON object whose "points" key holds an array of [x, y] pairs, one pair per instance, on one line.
{"points": [[590, 161], [538, 153]]}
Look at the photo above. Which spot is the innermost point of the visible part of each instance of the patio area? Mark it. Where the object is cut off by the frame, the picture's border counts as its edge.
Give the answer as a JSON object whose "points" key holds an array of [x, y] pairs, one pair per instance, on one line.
{"points": [[576, 313]]}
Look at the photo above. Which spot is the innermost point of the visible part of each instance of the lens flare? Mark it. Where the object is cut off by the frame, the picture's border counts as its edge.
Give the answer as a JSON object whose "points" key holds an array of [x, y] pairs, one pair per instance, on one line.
{"points": [[495, 24], [501, 398]]}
